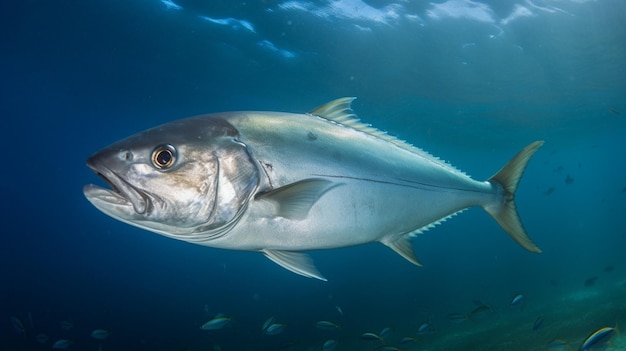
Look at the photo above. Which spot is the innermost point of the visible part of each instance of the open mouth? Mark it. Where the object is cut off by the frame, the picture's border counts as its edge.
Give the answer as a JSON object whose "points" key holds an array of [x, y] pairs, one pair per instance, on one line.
{"points": [[120, 194]]}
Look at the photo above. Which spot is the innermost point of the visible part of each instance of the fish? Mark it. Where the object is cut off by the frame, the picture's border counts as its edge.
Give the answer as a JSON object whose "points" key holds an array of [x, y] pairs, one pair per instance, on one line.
{"points": [[614, 111], [339, 310], [18, 326], [426, 328], [517, 299], [42, 338], [538, 323], [67, 325], [407, 340], [457, 318], [598, 338], [216, 323], [591, 281], [62, 344], [558, 345], [329, 345], [327, 325], [371, 336], [549, 191], [387, 348], [385, 332], [100, 334], [275, 329], [267, 323], [479, 312], [285, 183]]}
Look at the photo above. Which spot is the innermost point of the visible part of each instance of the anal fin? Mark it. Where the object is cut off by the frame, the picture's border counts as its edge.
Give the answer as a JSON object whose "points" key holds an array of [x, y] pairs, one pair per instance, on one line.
{"points": [[402, 245], [297, 262]]}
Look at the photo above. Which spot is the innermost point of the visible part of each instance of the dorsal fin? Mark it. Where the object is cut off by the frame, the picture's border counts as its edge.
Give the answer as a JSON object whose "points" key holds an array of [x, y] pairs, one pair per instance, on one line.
{"points": [[340, 112]]}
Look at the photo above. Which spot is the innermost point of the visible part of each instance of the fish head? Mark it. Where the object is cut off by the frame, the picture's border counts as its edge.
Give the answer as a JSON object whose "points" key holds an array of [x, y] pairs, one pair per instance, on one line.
{"points": [[190, 179]]}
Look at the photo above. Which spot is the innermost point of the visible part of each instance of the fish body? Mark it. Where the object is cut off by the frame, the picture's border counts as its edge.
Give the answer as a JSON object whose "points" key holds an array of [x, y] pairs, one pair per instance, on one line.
{"points": [[407, 340], [269, 321], [100, 334], [18, 325], [479, 312], [42, 338], [283, 183], [538, 323], [216, 323], [327, 325], [329, 345], [598, 339], [371, 336], [62, 344], [275, 329], [457, 318], [517, 299]]}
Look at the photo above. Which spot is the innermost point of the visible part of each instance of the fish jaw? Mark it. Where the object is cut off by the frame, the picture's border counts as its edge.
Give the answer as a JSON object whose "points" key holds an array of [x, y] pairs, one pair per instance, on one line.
{"points": [[122, 199]]}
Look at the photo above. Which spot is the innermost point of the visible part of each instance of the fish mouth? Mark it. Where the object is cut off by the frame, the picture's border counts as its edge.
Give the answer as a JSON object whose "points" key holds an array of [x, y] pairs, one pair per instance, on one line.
{"points": [[121, 196]]}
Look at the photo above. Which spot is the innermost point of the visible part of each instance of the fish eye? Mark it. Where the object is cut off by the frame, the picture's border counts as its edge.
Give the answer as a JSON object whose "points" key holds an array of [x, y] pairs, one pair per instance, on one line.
{"points": [[164, 156]]}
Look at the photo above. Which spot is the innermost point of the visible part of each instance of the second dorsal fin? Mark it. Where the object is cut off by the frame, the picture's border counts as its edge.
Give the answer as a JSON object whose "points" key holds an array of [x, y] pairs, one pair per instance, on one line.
{"points": [[340, 112]]}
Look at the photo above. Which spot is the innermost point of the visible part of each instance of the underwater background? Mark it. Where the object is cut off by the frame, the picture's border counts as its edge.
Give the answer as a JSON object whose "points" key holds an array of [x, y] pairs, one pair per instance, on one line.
{"points": [[471, 82]]}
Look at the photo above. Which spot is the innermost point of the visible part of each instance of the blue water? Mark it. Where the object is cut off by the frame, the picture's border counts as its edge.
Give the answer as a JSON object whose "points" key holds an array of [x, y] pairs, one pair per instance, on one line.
{"points": [[470, 82]]}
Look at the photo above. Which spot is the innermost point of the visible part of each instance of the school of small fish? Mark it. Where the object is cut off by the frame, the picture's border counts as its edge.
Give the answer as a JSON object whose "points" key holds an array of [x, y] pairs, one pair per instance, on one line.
{"points": [[28, 330], [331, 330]]}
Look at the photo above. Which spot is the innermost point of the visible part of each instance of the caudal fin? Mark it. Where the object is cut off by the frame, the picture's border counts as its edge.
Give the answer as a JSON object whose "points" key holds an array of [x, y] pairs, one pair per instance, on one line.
{"points": [[505, 213]]}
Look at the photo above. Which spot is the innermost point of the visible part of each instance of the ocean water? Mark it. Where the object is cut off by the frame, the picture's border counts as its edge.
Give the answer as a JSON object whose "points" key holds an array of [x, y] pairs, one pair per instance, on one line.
{"points": [[472, 82]]}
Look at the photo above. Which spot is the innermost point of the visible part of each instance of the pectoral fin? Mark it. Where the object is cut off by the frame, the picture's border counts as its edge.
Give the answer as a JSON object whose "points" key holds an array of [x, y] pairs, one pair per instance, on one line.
{"points": [[295, 200], [297, 262], [402, 245]]}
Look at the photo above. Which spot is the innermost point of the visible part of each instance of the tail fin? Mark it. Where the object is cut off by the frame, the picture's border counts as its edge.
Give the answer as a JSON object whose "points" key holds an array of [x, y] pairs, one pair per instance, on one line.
{"points": [[505, 213]]}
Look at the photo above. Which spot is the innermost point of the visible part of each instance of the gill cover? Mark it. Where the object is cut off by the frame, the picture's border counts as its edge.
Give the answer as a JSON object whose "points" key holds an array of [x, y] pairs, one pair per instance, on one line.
{"points": [[237, 178]]}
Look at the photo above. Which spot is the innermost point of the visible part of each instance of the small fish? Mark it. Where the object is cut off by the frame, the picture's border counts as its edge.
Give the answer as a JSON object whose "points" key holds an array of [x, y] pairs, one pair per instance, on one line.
{"points": [[275, 329], [558, 345], [42, 338], [387, 348], [329, 345], [614, 111], [18, 325], [216, 323], [67, 325], [384, 332], [339, 310], [538, 323], [370, 336], [457, 318], [598, 338], [609, 269], [267, 323], [326, 325], [289, 345], [100, 334], [591, 281], [517, 299], [549, 191], [569, 179], [425, 328], [407, 340], [62, 344], [479, 312]]}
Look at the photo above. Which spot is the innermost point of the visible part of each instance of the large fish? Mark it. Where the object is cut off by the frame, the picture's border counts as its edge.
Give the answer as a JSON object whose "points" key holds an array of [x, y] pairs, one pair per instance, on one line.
{"points": [[283, 183]]}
